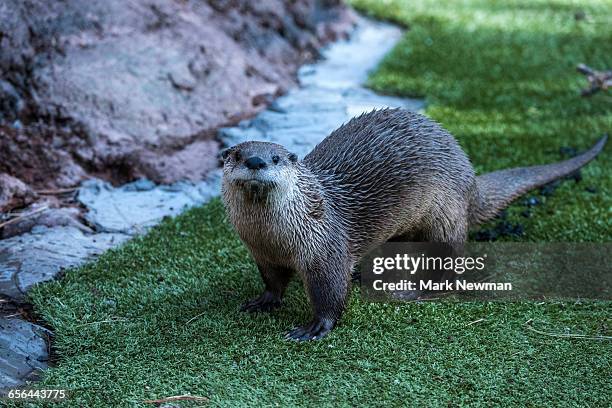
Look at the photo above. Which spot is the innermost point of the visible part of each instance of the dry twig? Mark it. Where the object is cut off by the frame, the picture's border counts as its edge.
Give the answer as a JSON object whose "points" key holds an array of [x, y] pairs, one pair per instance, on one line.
{"points": [[57, 191], [117, 319], [22, 216], [195, 317], [475, 321], [176, 398], [598, 80], [529, 326]]}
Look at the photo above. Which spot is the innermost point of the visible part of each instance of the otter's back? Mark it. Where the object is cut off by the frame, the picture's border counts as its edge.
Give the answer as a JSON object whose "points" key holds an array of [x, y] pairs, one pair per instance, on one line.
{"points": [[386, 165]]}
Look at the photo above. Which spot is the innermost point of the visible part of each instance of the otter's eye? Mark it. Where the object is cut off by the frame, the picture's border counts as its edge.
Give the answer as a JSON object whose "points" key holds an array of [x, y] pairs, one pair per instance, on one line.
{"points": [[275, 159], [293, 157], [237, 156]]}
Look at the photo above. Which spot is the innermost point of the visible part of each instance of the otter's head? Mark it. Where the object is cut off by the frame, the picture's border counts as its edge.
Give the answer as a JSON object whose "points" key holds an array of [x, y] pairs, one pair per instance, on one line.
{"points": [[259, 169]]}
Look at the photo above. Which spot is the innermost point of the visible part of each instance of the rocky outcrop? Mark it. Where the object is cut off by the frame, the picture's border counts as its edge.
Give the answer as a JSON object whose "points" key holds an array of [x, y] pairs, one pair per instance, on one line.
{"points": [[137, 89]]}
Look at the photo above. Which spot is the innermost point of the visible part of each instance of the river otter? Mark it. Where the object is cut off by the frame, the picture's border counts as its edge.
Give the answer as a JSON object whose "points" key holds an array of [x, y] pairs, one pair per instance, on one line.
{"points": [[387, 174]]}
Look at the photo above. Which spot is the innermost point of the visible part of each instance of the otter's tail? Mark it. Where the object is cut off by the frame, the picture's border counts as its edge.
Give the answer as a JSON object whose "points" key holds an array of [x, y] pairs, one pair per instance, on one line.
{"points": [[496, 190]]}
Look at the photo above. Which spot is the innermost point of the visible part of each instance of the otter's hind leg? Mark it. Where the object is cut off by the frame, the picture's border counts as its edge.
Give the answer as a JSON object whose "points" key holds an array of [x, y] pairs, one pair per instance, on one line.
{"points": [[441, 226], [327, 285], [449, 227], [276, 280]]}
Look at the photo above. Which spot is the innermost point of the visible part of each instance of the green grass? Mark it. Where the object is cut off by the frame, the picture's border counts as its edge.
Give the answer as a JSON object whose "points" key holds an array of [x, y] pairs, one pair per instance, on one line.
{"points": [[158, 317], [501, 77]]}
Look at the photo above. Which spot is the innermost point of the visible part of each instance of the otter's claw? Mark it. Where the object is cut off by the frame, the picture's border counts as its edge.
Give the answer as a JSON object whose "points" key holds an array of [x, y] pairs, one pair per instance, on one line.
{"points": [[264, 303], [315, 330]]}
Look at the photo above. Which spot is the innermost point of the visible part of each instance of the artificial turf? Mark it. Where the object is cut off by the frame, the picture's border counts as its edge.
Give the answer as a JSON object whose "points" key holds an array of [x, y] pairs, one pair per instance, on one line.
{"points": [[159, 316], [501, 77]]}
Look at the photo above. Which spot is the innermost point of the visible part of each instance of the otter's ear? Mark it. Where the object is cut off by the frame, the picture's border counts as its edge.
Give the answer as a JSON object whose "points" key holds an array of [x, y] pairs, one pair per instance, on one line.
{"points": [[225, 153], [293, 157]]}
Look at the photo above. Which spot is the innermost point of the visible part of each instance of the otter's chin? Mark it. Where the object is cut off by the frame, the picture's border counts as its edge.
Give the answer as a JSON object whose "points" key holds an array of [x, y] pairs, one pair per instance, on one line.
{"points": [[254, 188]]}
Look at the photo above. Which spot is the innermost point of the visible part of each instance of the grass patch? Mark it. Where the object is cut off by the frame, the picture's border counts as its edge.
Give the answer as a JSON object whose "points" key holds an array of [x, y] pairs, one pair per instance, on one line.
{"points": [[501, 77], [158, 317]]}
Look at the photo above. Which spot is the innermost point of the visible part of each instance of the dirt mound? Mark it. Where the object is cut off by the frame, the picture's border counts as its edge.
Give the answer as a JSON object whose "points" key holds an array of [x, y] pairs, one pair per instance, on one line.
{"points": [[128, 89], [42, 156]]}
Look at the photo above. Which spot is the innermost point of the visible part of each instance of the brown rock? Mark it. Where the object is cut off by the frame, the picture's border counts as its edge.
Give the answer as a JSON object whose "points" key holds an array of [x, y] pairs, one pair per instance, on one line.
{"points": [[14, 193], [121, 82], [42, 156], [191, 163]]}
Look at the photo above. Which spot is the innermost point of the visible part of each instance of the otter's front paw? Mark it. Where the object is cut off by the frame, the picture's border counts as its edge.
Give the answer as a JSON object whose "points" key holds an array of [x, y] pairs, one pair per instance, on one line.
{"points": [[264, 303], [315, 330]]}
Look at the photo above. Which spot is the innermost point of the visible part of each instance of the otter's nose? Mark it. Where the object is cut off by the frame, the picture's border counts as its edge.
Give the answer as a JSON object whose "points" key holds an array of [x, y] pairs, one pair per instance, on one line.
{"points": [[255, 163]]}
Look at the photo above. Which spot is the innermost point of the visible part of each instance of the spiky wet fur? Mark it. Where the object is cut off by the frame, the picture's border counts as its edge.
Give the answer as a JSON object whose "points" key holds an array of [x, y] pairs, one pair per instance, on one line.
{"points": [[388, 174]]}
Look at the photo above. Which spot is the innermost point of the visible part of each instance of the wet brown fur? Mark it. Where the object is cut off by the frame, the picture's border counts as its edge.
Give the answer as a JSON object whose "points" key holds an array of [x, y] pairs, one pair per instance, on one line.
{"points": [[386, 175]]}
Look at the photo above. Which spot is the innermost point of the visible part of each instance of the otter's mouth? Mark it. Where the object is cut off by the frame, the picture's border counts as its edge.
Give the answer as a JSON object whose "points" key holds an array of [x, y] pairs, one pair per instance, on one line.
{"points": [[254, 182], [255, 187]]}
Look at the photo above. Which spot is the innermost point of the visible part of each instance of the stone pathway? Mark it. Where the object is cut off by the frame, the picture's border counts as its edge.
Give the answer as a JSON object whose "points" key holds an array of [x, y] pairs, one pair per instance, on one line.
{"points": [[330, 93]]}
